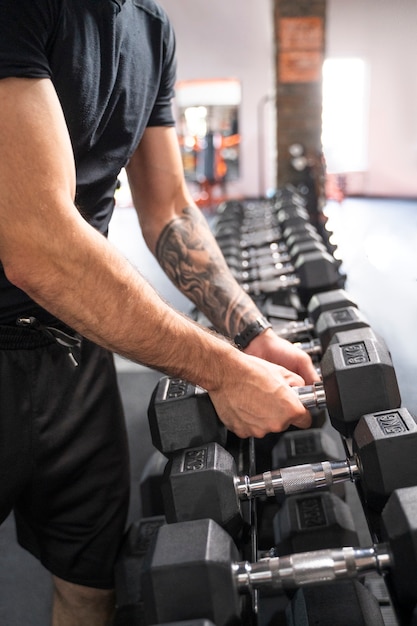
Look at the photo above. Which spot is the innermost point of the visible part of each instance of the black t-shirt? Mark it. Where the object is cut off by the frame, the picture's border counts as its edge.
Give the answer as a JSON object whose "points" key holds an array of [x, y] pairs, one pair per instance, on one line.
{"points": [[112, 63]]}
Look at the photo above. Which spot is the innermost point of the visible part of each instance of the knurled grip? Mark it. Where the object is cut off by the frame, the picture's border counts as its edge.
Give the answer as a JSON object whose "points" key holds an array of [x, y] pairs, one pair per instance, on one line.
{"points": [[300, 478]]}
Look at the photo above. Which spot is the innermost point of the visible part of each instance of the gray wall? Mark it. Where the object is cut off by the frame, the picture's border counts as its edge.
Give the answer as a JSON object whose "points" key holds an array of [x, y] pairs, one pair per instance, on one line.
{"points": [[233, 38]]}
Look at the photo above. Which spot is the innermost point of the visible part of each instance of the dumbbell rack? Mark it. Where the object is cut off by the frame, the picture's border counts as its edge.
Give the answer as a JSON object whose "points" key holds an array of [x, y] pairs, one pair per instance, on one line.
{"points": [[288, 304], [253, 456]]}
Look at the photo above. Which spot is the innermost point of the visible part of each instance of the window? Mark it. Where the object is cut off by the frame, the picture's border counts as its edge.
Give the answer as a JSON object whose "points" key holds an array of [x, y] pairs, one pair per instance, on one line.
{"points": [[345, 112]]}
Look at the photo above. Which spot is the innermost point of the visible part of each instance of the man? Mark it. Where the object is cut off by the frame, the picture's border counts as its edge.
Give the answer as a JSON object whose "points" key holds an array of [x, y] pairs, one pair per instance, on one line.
{"points": [[85, 89]]}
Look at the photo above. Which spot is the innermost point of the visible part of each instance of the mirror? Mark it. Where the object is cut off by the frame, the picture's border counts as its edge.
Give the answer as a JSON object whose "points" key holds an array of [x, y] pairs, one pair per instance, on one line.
{"points": [[208, 132]]}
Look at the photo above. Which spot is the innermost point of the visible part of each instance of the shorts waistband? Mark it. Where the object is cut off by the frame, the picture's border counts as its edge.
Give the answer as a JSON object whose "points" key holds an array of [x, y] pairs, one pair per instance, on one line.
{"points": [[16, 338]]}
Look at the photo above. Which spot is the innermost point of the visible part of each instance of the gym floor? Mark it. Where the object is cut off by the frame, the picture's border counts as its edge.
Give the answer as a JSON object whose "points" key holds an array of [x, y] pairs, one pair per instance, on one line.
{"points": [[377, 241]]}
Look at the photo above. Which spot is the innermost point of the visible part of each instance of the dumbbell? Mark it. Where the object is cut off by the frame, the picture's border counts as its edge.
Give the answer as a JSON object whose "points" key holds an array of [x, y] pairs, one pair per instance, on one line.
{"points": [[203, 482], [181, 415], [235, 244], [237, 257], [358, 378], [269, 263], [327, 326], [313, 272], [260, 274], [273, 269], [318, 304], [293, 447], [242, 259], [193, 569], [292, 214]]}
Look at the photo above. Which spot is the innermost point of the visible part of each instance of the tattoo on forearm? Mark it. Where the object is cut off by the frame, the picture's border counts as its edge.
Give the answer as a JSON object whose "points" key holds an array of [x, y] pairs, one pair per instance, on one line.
{"points": [[188, 253]]}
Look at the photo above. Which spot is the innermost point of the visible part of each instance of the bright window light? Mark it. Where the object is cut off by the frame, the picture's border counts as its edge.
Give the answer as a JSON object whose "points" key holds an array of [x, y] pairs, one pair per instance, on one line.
{"points": [[345, 106]]}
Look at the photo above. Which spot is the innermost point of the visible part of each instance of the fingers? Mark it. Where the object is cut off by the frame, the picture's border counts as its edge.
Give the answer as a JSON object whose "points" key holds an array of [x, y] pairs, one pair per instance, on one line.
{"points": [[304, 421], [306, 369], [280, 351], [260, 400], [291, 378]]}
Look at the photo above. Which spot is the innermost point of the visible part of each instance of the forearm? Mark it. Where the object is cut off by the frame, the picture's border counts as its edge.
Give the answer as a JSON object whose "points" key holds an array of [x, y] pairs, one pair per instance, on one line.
{"points": [[190, 256], [83, 280], [188, 252]]}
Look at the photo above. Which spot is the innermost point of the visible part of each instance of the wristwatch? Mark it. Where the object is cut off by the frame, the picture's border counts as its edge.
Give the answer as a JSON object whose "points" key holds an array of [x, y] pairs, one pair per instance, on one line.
{"points": [[252, 330]]}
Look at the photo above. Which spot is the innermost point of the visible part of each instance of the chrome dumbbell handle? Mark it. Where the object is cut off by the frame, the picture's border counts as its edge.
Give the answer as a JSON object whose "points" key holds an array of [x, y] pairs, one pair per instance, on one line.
{"points": [[312, 396], [307, 568], [296, 479]]}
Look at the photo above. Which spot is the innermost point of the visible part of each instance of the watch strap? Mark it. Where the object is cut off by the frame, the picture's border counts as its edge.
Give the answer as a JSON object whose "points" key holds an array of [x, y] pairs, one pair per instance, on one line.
{"points": [[252, 330]]}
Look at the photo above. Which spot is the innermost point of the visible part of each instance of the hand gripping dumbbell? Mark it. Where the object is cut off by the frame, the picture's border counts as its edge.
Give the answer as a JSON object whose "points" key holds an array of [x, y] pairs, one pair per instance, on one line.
{"points": [[193, 569], [358, 378], [203, 482]]}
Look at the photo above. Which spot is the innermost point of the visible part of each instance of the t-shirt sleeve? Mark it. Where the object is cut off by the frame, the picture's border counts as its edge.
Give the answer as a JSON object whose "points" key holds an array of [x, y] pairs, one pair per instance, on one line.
{"points": [[162, 112], [25, 27]]}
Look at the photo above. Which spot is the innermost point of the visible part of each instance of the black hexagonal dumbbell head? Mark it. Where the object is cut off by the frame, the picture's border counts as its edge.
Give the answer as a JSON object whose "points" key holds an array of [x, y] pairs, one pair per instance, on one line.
{"points": [[181, 415], [327, 301], [190, 577], [385, 445], [358, 377], [318, 271], [199, 483], [338, 320]]}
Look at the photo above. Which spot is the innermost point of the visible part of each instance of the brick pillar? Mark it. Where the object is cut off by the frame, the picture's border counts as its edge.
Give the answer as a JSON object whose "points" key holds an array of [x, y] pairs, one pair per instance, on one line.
{"points": [[300, 44]]}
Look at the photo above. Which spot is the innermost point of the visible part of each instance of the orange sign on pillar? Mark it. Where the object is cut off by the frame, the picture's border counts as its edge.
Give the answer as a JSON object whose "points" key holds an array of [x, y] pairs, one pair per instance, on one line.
{"points": [[301, 49]]}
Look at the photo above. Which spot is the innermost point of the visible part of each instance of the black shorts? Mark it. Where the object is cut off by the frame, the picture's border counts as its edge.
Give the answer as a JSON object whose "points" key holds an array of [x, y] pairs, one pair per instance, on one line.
{"points": [[64, 466]]}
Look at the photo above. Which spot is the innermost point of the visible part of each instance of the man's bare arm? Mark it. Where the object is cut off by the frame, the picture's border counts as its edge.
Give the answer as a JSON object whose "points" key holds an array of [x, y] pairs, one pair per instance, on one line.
{"points": [[48, 250], [181, 239], [179, 236]]}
